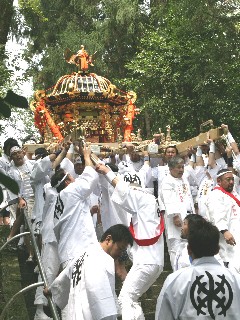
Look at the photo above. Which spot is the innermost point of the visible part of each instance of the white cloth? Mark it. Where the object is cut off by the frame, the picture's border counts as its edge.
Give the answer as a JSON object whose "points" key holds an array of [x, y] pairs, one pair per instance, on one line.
{"points": [[147, 260], [145, 212], [87, 288], [205, 187], [40, 175], [74, 229], [207, 286], [138, 281], [143, 174], [47, 232], [111, 212], [224, 213], [5, 163], [51, 265], [177, 199], [68, 166], [236, 163], [22, 176], [4, 168]]}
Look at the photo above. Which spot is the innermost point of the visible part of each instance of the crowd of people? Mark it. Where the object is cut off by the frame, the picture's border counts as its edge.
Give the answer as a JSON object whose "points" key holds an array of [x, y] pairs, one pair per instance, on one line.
{"points": [[93, 215]]}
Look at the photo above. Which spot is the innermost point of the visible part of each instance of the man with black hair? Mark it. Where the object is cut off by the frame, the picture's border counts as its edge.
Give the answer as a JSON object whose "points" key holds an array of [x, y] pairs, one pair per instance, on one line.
{"points": [[20, 171], [5, 163], [148, 249], [178, 202], [41, 174], [74, 227], [42, 213], [89, 289], [223, 209], [162, 171], [182, 259], [205, 290]]}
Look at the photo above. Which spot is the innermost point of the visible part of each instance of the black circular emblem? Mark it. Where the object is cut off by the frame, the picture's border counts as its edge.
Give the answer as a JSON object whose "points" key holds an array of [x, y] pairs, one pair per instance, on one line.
{"points": [[211, 296]]}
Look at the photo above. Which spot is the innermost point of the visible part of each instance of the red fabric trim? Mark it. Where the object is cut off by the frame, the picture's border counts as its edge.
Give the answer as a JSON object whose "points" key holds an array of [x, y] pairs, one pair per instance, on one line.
{"points": [[229, 194], [147, 242]]}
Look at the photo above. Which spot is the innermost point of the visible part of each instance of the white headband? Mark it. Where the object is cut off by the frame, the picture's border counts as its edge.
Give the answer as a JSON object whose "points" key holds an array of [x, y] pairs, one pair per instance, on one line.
{"points": [[59, 182], [78, 160], [222, 173], [14, 149]]}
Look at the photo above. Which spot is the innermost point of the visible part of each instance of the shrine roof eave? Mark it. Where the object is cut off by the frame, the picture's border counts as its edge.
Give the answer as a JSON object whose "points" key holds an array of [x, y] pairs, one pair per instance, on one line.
{"points": [[63, 99]]}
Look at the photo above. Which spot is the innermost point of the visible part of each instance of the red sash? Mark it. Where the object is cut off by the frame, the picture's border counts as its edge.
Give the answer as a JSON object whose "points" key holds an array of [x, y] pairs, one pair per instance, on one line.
{"points": [[147, 242], [229, 194]]}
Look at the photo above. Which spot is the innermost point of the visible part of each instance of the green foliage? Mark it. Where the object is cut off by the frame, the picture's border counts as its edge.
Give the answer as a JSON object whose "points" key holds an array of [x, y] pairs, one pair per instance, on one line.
{"points": [[111, 28], [187, 69], [35, 7], [180, 57]]}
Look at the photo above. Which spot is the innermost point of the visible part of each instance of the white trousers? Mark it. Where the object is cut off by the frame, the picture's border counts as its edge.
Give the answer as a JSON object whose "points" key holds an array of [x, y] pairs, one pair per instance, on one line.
{"points": [[173, 247], [51, 265], [138, 281]]}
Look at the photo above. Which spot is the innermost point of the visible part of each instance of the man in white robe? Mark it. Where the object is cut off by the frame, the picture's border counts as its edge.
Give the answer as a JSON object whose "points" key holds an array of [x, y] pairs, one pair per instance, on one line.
{"points": [[206, 290], [148, 248], [74, 229], [5, 163], [223, 209], [49, 252], [89, 287], [176, 196]]}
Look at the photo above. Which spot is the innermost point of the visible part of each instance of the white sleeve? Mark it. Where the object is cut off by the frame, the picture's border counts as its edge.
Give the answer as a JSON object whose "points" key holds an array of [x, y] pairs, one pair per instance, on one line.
{"points": [[86, 183], [123, 196], [236, 163], [163, 307], [41, 168], [217, 210], [60, 288]]}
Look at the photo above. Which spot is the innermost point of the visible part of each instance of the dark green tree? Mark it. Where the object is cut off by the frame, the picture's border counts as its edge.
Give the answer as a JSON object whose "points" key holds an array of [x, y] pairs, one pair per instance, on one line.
{"points": [[188, 65], [112, 28]]}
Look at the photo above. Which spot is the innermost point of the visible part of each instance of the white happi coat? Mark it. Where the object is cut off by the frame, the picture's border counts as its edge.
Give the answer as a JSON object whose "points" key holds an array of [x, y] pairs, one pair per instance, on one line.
{"points": [[159, 173], [5, 163], [177, 198], [111, 212], [16, 175], [4, 168], [236, 163], [145, 212], [201, 291], [88, 288], [224, 213], [206, 186], [47, 232], [74, 229], [40, 175]]}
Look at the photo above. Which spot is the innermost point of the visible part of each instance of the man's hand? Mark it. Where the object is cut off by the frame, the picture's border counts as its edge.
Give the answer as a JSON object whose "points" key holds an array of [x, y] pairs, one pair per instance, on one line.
{"points": [[22, 203], [87, 151], [145, 153], [229, 238], [47, 292], [94, 209], [225, 128], [177, 221], [101, 168]]}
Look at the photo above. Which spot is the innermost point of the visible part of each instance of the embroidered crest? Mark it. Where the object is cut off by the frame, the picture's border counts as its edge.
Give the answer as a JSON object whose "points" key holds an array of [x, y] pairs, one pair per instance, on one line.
{"points": [[77, 270], [59, 207], [132, 178], [157, 209], [211, 296]]}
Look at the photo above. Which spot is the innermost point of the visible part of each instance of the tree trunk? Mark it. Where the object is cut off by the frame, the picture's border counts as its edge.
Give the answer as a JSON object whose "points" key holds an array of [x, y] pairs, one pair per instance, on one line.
{"points": [[147, 123], [6, 14]]}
